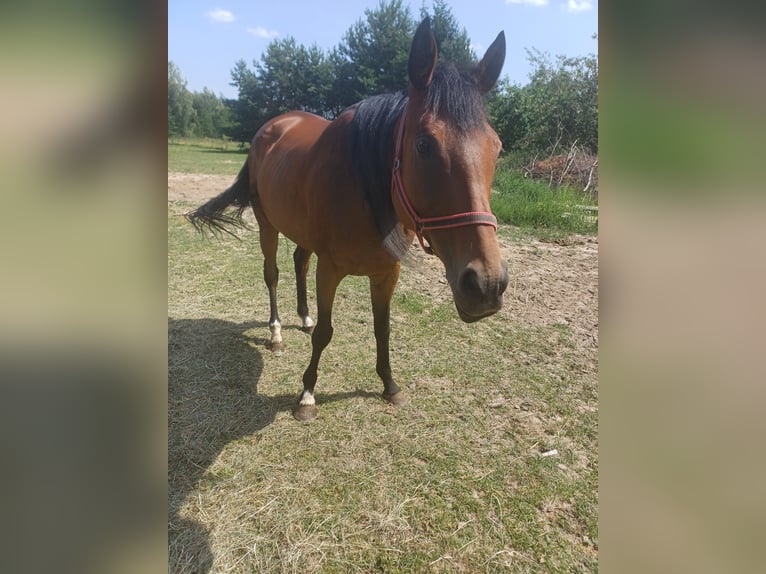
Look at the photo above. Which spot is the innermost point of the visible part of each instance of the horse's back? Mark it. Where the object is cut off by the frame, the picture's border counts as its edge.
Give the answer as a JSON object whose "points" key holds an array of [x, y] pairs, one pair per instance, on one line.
{"points": [[292, 129], [301, 165], [284, 153]]}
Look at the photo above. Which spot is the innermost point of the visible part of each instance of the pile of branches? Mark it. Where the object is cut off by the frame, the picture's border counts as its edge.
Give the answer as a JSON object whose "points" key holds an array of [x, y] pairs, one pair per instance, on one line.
{"points": [[576, 168]]}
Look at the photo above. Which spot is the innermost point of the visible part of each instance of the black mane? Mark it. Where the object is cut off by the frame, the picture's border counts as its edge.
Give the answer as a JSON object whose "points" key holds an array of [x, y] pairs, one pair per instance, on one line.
{"points": [[452, 96], [371, 145]]}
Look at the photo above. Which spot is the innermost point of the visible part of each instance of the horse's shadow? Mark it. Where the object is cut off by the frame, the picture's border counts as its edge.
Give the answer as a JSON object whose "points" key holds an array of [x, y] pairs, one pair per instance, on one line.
{"points": [[214, 367]]}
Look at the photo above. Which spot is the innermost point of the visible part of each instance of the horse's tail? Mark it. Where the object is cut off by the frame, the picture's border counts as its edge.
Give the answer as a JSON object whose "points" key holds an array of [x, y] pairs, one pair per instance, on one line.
{"points": [[213, 214]]}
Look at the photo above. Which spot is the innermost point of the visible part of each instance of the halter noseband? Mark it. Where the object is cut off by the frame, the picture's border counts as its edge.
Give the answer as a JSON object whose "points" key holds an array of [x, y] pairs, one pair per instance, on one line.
{"points": [[421, 224]]}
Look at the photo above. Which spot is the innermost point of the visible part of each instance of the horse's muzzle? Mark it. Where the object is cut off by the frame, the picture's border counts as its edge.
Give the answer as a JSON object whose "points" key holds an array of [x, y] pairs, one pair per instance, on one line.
{"points": [[479, 294]]}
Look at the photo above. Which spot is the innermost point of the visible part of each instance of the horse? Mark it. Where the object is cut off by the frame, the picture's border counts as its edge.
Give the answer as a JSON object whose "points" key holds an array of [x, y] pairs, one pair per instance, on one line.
{"points": [[357, 190]]}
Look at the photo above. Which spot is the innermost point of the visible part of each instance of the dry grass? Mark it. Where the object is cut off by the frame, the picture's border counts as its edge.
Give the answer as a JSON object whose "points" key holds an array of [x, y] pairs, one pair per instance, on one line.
{"points": [[453, 482]]}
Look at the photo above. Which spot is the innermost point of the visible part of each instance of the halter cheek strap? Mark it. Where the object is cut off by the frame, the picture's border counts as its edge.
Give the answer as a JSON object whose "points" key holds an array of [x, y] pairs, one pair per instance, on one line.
{"points": [[421, 224]]}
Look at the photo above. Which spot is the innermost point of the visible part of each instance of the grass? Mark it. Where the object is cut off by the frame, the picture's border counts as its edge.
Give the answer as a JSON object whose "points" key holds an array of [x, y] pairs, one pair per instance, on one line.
{"points": [[532, 204], [453, 482], [205, 155]]}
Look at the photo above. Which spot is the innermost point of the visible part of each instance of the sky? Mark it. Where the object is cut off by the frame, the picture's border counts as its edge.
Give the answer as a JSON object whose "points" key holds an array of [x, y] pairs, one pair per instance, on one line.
{"points": [[206, 37]]}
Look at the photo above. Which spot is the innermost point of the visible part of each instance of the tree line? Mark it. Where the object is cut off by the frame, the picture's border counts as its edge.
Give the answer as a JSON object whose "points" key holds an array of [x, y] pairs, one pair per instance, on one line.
{"points": [[557, 108]]}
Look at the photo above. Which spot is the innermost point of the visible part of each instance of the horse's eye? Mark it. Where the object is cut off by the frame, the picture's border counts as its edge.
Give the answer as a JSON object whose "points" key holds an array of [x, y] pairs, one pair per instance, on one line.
{"points": [[423, 145]]}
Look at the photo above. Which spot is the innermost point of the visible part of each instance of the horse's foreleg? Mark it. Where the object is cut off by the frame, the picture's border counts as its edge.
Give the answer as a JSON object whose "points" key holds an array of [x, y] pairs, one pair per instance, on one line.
{"points": [[381, 291], [327, 283], [301, 258]]}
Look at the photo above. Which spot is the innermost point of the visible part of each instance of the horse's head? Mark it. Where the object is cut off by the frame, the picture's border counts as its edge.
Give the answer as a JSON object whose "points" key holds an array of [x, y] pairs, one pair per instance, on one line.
{"points": [[446, 154]]}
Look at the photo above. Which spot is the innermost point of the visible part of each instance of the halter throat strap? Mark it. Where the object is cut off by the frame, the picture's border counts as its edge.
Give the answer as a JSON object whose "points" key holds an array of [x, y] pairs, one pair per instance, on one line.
{"points": [[420, 224]]}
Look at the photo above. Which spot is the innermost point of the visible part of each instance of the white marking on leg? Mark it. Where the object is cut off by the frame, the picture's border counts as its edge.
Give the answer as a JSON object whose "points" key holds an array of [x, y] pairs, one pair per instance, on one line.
{"points": [[307, 398], [276, 332], [308, 322]]}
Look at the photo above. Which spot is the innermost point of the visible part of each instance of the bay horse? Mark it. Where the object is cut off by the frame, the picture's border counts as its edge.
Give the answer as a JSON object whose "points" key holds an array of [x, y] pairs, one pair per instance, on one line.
{"points": [[357, 190]]}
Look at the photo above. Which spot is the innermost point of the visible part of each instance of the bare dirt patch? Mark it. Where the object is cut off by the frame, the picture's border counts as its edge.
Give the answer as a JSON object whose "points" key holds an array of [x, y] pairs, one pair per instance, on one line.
{"points": [[548, 283], [195, 187]]}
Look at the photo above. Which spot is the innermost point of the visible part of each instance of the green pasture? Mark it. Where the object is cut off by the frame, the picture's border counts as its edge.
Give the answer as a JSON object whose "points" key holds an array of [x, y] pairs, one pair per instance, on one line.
{"points": [[205, 155]]}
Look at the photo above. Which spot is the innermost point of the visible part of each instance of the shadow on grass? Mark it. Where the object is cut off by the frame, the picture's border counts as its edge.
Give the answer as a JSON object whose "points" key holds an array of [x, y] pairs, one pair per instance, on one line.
{"points": [[213, 372]]}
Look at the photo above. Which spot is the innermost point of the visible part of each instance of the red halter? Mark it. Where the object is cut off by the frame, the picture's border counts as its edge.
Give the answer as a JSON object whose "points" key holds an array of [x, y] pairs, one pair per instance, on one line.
{"points": [[421, 224]]}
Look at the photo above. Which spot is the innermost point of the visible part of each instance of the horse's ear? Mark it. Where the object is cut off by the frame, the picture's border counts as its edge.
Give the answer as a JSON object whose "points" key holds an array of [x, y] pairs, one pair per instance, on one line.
{"points": [[422, 56], [492, 64]]}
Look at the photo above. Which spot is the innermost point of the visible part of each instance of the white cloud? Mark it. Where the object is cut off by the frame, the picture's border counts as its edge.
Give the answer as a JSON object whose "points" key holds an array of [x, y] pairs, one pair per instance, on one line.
{"points": [[581, 6], [530, 2], [219, 15], [261, 32]]}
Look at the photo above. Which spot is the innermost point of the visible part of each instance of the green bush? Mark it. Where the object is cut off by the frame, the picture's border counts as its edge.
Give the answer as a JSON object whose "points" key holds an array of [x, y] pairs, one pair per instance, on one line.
{"points": [[556, 109]]}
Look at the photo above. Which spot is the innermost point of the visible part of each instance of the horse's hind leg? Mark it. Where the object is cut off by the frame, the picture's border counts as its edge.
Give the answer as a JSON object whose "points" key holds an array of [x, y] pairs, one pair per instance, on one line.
{"points": [[269, 237], [301, 258]]}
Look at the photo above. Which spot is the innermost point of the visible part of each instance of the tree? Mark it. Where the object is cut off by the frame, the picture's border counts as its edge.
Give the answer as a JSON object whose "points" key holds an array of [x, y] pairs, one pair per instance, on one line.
{"points": [[294, 77], [343, 89], [288, 77], [180, 110], [561, 102], [316, 80], [249, 109], [559, 105], [279, 76], [211, 116], [372, 58], [556, 109], [504, 109]]}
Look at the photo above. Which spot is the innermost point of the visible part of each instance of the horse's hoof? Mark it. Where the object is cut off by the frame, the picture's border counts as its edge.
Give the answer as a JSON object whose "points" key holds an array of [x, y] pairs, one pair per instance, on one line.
{"points": [[306, 412], [397, 399], [277, 348], [307, 324]]}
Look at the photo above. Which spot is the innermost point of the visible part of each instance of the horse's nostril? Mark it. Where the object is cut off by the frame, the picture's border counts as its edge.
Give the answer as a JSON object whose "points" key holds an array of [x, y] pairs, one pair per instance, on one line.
{"points": [[503, 280], [478, 287], [469, 283]]}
